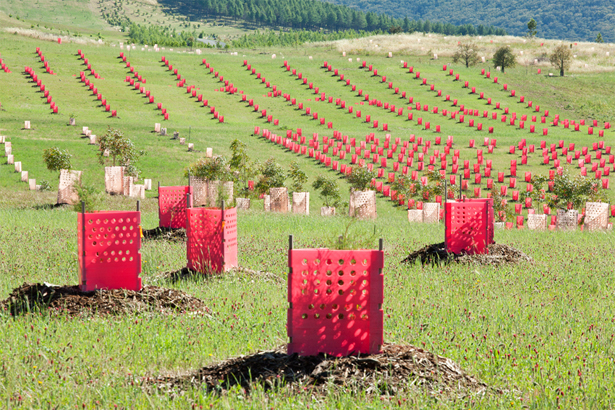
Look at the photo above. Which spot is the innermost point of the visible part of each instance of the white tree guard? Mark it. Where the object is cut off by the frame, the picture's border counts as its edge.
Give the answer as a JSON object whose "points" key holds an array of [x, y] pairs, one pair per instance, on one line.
{"points": [[24, 176], [301, 203], [137, 191], [242, 203], [327, 211], [266, 203], [32, 183], [199, 191], [567, 220], [18, 166], [536, 222], [279, 199], [213, 188], [67, 192], [415, 215], [596, 216], [362, 204], [127, 186], [431, 212], [114, 180]]}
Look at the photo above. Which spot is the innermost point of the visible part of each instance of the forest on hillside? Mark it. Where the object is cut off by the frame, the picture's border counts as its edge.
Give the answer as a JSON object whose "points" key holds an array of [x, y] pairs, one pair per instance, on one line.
{"points": [[306, 20], [571, 20]]}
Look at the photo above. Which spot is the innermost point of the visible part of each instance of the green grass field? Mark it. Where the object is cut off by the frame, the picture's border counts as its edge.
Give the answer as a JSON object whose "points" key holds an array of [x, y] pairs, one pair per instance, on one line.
{"points": [[541, 333]]}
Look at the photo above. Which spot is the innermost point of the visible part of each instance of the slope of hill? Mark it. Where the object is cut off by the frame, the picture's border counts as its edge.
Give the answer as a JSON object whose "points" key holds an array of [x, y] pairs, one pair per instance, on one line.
{"points": [[573, 20]]}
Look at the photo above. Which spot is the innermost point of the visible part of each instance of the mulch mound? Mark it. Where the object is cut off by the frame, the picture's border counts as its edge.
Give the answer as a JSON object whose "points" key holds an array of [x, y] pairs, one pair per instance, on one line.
{"points": [[436, 254], [72, 301], [165, 234], [395, 369]]}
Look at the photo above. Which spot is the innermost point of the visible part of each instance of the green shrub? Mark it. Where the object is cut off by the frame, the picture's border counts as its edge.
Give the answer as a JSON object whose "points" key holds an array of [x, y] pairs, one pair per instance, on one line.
{"points": [[329, 190], [360, 178], [272, 176], [210, 169], [56, 159], [297, 177], [90, 196]]}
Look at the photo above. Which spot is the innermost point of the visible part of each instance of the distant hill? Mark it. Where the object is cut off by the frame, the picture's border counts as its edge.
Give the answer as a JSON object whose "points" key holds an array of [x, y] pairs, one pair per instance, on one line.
{"points": [[571, 20]]}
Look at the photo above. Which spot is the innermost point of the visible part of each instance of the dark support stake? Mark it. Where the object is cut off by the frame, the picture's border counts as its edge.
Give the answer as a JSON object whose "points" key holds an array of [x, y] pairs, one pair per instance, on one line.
{"points": [[138, 206], [187, 199], [460, 187], [83, 240], [380, 244], [290, 242]]}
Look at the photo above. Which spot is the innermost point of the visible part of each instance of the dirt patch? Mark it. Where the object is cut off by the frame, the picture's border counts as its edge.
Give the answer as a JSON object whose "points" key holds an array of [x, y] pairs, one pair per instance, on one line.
{"points": [[165, 234], [72, 301], [238, 272], [396, 369], [436, 254]]}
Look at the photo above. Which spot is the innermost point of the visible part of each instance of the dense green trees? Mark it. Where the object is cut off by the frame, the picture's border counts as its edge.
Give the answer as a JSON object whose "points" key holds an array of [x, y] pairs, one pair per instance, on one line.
{"points": [[579, 20], [301, 16]]}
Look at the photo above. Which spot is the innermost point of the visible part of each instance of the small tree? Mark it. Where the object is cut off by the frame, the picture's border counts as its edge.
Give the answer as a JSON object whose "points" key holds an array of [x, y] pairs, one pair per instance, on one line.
{"points": [[210, 169], [272, 176], [504, 57], [360, 178], [599, 38], [532, 28], [467, 53], [297, 176], [404, 186], [242, 169], [121, 150], [56, 159], [329, 191], [561, 58], [575, 191]]}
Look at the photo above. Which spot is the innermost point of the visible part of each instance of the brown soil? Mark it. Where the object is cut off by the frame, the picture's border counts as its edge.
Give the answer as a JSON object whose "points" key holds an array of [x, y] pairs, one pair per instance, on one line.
{"points": [[165, 234], [70, 300], [436, 254], [396, 369]]}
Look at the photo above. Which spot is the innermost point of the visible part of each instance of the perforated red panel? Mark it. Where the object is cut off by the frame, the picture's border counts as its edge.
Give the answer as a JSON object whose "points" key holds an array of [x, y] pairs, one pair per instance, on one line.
{"points": [[109, 250], [469, 226], [212, 242], [172, 206], [335, 301]]}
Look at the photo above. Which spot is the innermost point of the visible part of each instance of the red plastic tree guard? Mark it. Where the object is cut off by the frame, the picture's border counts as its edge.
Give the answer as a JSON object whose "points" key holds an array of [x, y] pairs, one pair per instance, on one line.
{"points": [[335, 301], [469, 226], [109, 245], [172, 206], [212, 239]]}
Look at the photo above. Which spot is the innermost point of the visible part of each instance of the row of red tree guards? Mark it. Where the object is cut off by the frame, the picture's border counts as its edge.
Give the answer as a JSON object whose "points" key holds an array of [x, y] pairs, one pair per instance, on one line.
{"points": [[49, 99], [90, 85]]}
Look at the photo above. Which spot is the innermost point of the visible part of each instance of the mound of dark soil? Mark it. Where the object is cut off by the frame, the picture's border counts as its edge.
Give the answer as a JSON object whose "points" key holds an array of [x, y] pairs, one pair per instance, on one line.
{"points": [[165, 234], [70, 300], [436, 254], [395, 369]]}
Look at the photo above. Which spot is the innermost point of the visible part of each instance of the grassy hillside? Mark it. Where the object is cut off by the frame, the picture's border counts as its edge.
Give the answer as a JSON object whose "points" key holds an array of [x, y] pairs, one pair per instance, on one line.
{"points": [[578, 21], [538, 334]]}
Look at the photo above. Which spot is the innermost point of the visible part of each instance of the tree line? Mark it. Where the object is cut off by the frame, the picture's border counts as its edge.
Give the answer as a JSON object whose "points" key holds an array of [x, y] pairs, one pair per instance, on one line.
{"points": [[576, 21]]}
